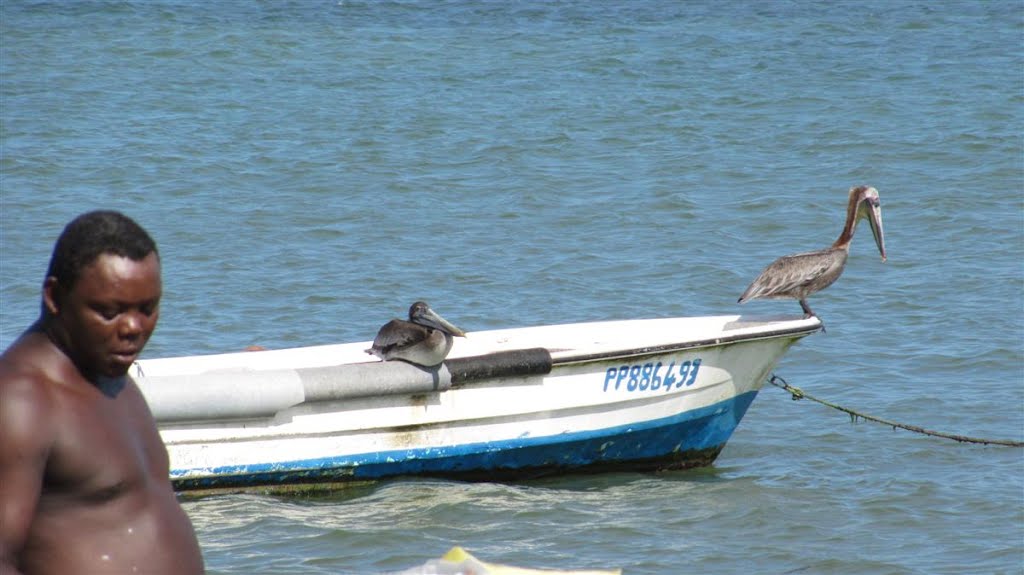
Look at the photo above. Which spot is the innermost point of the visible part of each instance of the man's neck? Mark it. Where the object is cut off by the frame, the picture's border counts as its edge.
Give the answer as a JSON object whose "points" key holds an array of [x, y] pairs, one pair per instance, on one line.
{"points": [[108, 386]]}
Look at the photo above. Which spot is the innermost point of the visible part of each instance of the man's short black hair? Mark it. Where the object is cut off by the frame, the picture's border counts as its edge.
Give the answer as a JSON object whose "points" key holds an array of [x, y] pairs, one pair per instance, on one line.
{"points": [[92, 234]]}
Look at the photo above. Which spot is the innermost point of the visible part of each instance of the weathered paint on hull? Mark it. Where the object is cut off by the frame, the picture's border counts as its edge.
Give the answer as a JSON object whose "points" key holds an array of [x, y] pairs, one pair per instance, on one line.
{"points": [[690, 439]]}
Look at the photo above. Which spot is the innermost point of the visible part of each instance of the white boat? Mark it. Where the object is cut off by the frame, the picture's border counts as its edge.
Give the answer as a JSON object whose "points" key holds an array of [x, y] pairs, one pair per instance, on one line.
{"points": [[506, 404]]}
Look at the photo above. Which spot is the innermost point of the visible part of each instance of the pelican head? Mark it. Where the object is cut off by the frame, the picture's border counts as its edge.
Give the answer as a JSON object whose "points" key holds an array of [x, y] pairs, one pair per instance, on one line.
{"points": [[869, 207], [421, 314]]}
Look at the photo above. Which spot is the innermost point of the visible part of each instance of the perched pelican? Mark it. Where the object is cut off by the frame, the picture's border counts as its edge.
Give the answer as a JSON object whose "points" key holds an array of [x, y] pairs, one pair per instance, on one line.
{"points": [[800, 275], [425, 339]]}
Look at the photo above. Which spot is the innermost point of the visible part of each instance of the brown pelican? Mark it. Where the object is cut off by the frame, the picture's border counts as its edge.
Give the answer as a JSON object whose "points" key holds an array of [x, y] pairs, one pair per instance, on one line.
{"points": [[425, 339], [800, 275]]}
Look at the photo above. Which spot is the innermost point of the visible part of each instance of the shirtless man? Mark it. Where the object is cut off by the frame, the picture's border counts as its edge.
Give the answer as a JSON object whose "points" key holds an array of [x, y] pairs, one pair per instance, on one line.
{"points": [[84, 484]]}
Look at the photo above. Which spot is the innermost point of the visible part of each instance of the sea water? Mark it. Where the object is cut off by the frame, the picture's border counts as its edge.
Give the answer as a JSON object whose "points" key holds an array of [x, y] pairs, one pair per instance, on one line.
{"points": [[310, 168]]}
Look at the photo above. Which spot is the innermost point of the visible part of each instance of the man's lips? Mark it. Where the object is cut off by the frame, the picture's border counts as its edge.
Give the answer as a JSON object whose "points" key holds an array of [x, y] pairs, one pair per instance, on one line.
{"points": [[125, 355]]}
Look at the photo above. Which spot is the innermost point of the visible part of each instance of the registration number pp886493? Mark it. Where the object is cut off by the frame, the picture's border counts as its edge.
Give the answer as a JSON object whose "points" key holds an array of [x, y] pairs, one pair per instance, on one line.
{"points": [[651, 376]]}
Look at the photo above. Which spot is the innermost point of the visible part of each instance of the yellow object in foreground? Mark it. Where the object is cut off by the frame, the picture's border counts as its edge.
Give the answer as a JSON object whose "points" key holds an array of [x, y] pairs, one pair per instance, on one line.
{"points": [[470, 565]]}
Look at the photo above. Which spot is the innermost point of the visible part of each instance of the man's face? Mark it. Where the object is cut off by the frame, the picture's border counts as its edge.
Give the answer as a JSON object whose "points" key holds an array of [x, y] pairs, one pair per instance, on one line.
{"points": [[109, 313]]}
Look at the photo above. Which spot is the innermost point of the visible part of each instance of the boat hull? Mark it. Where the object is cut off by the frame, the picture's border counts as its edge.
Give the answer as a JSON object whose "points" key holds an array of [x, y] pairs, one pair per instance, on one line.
{"points": [[603, 403], [691, 439]]}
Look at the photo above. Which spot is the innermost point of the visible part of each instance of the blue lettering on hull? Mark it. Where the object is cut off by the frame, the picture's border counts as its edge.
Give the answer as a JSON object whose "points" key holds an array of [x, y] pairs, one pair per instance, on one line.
{"points": [[651, 376]]}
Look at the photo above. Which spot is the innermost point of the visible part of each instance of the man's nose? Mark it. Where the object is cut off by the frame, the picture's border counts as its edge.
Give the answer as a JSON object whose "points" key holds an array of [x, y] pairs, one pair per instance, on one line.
{"points": [[131, 325]]}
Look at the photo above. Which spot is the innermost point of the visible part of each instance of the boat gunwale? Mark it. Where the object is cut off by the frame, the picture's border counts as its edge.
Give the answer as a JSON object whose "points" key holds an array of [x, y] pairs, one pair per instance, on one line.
{"points": [[570, 358], [761, 327]]}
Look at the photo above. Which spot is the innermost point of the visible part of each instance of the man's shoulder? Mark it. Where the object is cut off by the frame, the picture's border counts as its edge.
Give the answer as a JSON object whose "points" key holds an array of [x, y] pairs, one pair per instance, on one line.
{"points": [[25, 353], [33, 360], [28, 421], [26, 388], [25, 395]]}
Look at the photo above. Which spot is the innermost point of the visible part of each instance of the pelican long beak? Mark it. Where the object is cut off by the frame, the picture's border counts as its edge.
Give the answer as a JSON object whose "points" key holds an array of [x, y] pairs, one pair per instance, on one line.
{"points": [[875, 221], [431, 318]]}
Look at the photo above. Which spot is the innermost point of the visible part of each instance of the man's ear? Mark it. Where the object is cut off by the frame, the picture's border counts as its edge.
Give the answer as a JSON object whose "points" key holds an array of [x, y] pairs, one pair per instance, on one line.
{"points": [[51, 295]]}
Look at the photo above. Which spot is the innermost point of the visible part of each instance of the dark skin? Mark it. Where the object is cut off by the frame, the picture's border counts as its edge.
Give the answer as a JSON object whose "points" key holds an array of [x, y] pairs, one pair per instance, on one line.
{"points": [[84, 475]]}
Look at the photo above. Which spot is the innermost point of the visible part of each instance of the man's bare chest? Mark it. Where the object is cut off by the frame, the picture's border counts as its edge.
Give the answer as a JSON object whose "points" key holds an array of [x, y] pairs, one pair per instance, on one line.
{"points": [[103, 447]]}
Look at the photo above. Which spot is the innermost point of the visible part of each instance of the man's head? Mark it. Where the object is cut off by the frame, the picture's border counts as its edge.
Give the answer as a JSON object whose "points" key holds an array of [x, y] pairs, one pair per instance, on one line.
{"points": [[92, 234], [102, 291]]}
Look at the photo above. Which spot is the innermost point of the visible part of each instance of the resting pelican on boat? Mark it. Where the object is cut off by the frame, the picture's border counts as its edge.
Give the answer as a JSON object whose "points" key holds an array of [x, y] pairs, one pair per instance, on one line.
{"points": [[425, 339], [800, 275]]}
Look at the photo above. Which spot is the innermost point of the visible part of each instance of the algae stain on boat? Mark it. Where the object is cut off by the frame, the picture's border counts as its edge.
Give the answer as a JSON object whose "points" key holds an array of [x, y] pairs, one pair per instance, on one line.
{"points": [[408, 439]]}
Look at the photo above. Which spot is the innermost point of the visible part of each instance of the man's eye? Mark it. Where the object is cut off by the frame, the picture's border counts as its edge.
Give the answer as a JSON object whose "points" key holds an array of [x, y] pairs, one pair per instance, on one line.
{"points": [[107, 313]]}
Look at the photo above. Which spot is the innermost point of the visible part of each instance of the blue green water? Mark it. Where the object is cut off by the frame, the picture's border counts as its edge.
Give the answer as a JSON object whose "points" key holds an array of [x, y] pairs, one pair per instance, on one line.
{"points": [[310, 168]]}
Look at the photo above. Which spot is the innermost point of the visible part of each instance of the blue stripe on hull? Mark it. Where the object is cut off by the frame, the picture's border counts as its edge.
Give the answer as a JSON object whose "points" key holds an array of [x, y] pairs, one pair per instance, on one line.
{"points": [[690, 439]]}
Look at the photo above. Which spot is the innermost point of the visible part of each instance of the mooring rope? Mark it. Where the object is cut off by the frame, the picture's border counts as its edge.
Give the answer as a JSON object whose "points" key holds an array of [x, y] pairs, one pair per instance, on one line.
{"points": [[798, 393]]}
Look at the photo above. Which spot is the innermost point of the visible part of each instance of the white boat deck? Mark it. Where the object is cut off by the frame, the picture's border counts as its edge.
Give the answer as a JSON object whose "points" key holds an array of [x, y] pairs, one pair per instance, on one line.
{"points": [[565, 342]]}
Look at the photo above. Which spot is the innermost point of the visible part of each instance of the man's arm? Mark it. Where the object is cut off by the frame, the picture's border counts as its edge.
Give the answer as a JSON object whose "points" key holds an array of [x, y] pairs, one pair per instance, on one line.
{"points": [[25, 441]]}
